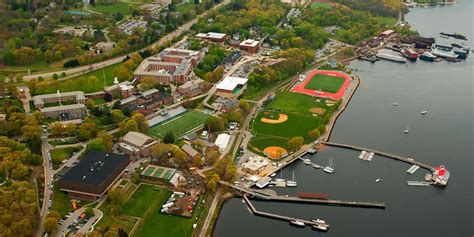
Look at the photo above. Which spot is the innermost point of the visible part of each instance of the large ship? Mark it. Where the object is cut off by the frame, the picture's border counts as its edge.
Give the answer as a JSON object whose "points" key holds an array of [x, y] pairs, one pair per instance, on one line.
{"points": [[410, 54], [441, 175], [427, 56], [391, 57]]}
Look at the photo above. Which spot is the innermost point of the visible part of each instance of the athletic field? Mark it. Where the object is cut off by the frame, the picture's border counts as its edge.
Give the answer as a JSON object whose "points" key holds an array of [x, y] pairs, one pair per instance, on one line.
{"points": [[180, 125], [327, 83]]}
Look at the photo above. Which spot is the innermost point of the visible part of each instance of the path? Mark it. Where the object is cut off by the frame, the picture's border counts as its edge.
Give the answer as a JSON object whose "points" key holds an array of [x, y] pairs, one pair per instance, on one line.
{"points": [[210, 214]]}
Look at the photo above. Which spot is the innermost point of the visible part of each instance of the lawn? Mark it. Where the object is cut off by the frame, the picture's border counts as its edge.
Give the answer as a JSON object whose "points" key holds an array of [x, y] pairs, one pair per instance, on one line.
{"points": [[184, 8], [99, 101], [120, 221], [325, 83], [61, 202], [60, 154], [179, 126], [388, 21], [83, 82], [161, 225], [264, 142], [119, 7], [319, 4], [296, 125], [294, 103], [10, 102], [140, 201]]}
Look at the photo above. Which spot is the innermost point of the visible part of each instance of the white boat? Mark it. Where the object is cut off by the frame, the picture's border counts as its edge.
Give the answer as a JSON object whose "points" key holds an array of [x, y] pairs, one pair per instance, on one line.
{"points": [[319, 221], [292, 182], [307, 161], [330, 168], [320, 227], [243, 200], [407, 130], [297, 223], [378, 180], [316, 166], [424, 112], [395, 104], [392, 57], [273, 175]]}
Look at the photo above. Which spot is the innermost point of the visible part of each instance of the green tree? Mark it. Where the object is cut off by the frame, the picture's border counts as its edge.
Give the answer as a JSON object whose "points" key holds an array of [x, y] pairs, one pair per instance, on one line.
{"points": [[117, 116], [295, 143], [169, 138], [314, 133], [50, 224]]}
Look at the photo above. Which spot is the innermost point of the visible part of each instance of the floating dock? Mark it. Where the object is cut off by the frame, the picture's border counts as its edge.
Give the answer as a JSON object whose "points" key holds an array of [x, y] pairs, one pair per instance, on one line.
{"points": [[419, 183], [413, 169], [280, 217], [366, 155]]}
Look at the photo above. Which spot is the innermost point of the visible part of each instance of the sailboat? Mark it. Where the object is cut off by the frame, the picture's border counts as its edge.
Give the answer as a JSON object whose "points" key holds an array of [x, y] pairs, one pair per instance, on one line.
{"points": [[292, 182], [330, 168], [424, 112], [407, 130]]}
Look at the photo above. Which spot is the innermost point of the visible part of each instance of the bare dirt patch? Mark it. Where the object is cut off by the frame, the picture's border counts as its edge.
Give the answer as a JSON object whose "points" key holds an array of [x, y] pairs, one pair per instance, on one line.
{"points": [[275, 152], [317, 110], [281, 118]]}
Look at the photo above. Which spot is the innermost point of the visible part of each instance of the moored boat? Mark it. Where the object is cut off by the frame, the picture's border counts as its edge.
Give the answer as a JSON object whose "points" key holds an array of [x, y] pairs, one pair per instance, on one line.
{"points": [[391, 57], [444, 54], [410, 54], [441, 175], [297, 223], [427, 56]]}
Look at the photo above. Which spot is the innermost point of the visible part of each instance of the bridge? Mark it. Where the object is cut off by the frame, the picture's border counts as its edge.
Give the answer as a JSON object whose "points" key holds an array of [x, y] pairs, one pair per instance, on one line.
{"points": [[381, 153], [260, 195]]}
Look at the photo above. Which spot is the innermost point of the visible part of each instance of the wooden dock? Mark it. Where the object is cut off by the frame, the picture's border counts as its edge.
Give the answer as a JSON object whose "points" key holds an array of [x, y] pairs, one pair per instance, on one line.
{"points": [[381, 153], [276, 216]]}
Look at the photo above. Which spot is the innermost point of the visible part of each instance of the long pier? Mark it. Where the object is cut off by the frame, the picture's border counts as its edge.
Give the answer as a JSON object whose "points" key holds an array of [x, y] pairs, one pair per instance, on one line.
{"points": [[256, 194], [278, 217], [381, 153]]}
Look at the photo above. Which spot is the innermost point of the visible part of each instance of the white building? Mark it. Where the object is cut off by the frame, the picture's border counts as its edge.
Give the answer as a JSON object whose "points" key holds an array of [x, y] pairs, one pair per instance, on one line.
{"points": [[231, 87], [222, 141], [254, 165]]}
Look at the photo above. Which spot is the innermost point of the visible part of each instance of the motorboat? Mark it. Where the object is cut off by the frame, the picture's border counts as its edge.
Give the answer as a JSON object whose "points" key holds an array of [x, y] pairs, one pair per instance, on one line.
{"points": [[424, 112], [297, 223]]}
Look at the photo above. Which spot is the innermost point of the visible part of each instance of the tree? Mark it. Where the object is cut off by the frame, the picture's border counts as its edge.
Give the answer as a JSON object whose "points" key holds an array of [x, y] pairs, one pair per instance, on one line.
{"points": [[169, 138], [198, 162], [96, 145], [142, 122], [117, 116], [212, 185], [160, 150], [216, 124], [90, 104], [244, 105], [295, 143], [180, 158], [57, 129], [89, 212], [314, 133], [50, 224], [87, 131], [71, 129], [128, 125], [108, 97], [212, 156]]}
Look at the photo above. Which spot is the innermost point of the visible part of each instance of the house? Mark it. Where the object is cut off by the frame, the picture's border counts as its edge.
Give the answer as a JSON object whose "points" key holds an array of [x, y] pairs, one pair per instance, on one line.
{"points": [[136, 144], [231, 87], [212, 36], [192, 153], [222, 141], [94, 175], [387, 33], [192, 88], [250, 46], [254, 165]]}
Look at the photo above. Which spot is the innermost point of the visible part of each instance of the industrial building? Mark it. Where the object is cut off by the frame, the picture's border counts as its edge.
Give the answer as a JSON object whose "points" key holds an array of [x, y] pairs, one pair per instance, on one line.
{"points": [[94, 175]]}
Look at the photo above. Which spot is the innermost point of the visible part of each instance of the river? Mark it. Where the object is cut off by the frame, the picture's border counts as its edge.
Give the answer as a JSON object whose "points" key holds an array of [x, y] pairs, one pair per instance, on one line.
{"points": [[443, 136]]}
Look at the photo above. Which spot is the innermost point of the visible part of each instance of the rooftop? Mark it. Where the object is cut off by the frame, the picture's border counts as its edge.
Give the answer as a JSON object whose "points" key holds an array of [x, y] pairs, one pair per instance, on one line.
{"points": [[94, 173], [190, 150], [211, 35], [63, 107], [249, 43], [230, 83], [191, 83], [137, 139]]}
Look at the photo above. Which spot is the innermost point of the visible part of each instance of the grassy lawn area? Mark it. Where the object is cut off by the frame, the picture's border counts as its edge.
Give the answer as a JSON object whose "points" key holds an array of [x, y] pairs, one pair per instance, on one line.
{"points": [[161, 225], [84, 82], [325, 83], [262, 142], [117, 7], [180, 125], [388, 21], [99, 101], [61, 202], [60, 154], [184, 8], [296, 125], [319, 4], [140, 201], [120, 221], [294, 103], [137, 1]]}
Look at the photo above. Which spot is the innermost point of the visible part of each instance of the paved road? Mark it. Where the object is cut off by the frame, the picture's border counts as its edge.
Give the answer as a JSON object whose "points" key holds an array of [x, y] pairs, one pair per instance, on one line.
{"points": [[62, 229], [209, 216], [87, 68]]}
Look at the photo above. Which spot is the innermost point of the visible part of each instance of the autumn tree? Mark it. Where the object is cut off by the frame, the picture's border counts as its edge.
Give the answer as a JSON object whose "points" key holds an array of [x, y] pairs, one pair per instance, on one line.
{"points": [[295, 143], [160, 150], [57, 129], [314, 133], [142, 122]]}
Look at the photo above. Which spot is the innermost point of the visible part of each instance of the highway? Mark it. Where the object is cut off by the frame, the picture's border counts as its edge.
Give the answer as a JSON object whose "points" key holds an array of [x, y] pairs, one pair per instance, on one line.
{"points": [[92, 67]]}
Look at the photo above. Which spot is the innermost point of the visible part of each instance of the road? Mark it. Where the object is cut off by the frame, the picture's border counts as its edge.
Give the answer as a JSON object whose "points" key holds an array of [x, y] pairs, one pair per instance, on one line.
{"points": [[92, 67], [48, 172], [62, 229], [209, 216]]}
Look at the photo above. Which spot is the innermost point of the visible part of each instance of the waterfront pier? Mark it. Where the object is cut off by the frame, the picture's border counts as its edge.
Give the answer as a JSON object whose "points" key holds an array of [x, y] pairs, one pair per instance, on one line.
{"points": [[381, 153], [279, 217]]}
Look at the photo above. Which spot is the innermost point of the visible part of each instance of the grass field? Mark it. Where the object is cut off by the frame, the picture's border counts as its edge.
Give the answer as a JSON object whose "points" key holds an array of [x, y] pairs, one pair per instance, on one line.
{"points": [[120, 221], [83, 82], [61, 202], [60, 154], [264, 142], [319, 4], [325, 83], [184, 8], [294, 103], [180, 125], [121, 7], [388, 21], [141, 199], [161, 225], [296, 125]]}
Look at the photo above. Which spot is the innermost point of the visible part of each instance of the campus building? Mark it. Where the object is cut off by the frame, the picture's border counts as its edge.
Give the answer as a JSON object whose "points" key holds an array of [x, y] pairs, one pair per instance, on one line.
{"points": [[170, 66], [94, 175], [212, 36], [192, 153], [231, 87], [192, 88], [136, 144], [222, 141], [254, 165], [65, 110], [250, 46], [146, 101], [77, 97]]}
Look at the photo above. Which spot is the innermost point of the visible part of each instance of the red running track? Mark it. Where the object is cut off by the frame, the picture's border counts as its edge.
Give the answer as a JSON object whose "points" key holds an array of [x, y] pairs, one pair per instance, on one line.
{"points": [[334, 96]]}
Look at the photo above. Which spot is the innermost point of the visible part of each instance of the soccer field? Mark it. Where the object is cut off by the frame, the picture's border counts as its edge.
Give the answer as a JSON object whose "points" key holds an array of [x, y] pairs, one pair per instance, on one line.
{"points": [[325, 83], [180, 125]]}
